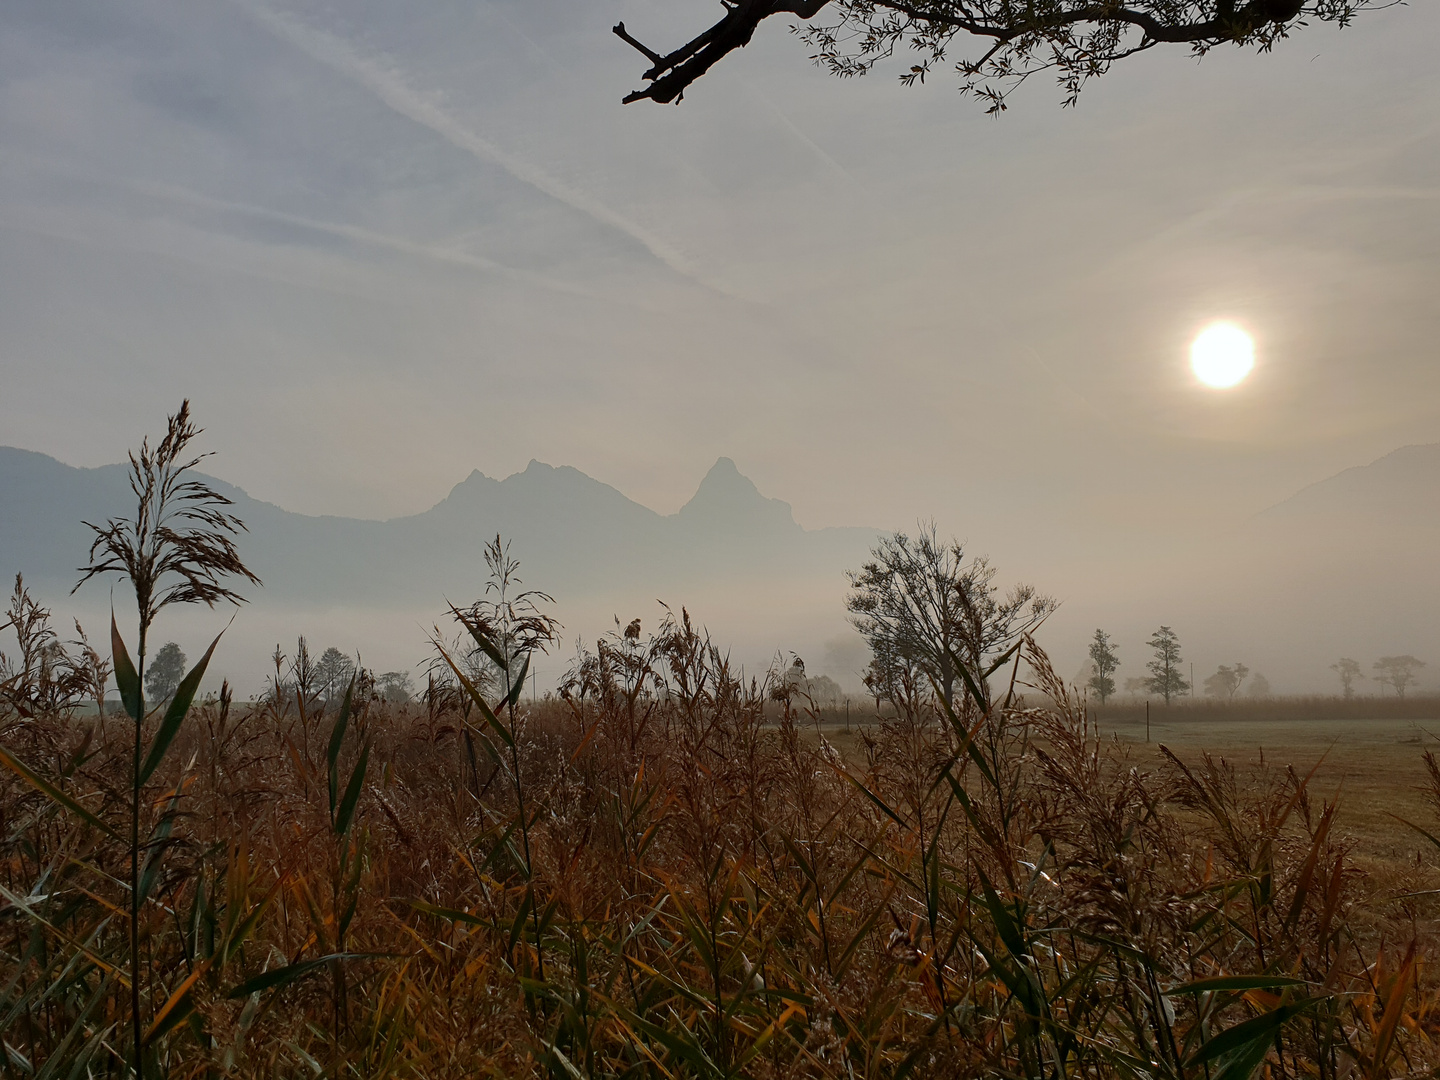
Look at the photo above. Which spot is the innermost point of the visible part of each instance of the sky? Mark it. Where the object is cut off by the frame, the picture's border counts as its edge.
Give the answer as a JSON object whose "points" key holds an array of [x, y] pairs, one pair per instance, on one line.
{"points": [[380, 244]]}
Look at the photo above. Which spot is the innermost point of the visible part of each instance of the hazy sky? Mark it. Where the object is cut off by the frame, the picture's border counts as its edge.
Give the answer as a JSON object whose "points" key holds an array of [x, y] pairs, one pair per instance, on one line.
{"points": [[379, 244]]}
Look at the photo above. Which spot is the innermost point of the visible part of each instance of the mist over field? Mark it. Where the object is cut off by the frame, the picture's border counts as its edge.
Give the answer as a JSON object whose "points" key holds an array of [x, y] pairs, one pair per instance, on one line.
{"points": [[1344, 567]]}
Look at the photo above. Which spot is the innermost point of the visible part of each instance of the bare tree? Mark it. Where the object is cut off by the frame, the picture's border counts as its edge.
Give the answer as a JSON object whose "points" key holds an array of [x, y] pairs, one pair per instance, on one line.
{"points": [[923, 602], [1073, 40]]}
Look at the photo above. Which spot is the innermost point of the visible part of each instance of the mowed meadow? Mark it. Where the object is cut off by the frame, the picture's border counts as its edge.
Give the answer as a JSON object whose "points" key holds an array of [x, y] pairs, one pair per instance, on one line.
{"points": [[668, 869]]}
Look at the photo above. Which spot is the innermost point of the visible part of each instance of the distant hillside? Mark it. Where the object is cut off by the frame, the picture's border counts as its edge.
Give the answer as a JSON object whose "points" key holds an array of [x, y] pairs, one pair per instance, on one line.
{"points": [[575, 536], [1344, 567], [1401, 489]]}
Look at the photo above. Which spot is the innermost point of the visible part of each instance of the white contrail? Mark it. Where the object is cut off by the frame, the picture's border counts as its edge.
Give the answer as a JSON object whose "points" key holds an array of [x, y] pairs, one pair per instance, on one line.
{"points": [[390, 87], [805, 140], [357, 234], [360, 235]]}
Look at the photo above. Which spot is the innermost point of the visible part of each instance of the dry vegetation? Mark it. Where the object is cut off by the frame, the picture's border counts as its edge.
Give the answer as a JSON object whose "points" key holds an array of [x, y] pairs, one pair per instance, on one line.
{"points": [[670, 873]]}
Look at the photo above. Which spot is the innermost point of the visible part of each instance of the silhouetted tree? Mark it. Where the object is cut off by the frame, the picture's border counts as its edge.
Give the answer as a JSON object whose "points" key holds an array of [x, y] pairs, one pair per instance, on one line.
{"points": [[1349, 671], [1259, 686], [394, 686], [1165, 678], [332, 673], [921, 602], [1072, 40], [166, 671], [1397, 672], [1105, 660], [824, 691], [897, 679], [1226, 681]]}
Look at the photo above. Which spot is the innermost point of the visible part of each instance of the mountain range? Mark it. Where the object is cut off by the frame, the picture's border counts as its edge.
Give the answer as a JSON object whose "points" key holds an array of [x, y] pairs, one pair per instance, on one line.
{"points": [[574, 536]]}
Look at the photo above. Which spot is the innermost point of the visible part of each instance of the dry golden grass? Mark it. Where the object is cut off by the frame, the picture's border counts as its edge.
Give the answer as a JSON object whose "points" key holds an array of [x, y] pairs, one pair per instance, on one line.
{"points": [[709, 883], [1373, 768]]}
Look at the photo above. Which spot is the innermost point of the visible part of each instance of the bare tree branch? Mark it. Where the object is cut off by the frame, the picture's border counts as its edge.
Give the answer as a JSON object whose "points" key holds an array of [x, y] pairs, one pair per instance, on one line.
{"points": [[670, 75], [1075, 39]]}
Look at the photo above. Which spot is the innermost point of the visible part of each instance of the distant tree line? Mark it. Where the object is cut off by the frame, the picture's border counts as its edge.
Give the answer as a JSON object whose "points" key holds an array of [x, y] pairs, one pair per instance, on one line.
{"points": [[328, 677], [1166, 677], [1397, 673], [938, 627]]}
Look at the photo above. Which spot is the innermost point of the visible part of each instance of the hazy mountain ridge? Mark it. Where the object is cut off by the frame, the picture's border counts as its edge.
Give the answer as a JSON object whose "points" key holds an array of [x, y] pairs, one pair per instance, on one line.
{"points": [[1400, 489], [575, 535]]}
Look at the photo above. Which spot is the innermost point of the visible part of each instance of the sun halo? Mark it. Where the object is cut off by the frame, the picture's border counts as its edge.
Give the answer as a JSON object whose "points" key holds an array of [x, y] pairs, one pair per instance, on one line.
{"points": [[1222, 355]]}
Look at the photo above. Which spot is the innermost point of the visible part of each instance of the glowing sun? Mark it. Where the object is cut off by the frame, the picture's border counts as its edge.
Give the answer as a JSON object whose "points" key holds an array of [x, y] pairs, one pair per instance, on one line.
{"points": [[1222, 355]]}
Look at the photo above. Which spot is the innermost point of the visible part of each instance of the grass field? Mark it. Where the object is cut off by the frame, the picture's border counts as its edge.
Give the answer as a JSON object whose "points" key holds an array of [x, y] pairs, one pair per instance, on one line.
{"points": [[1374, 767]]}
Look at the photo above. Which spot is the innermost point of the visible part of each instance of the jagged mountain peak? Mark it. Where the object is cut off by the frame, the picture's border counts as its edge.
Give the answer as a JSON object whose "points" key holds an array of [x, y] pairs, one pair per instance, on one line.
{"points": [[476, 485], [726, 495], [539, 492]]}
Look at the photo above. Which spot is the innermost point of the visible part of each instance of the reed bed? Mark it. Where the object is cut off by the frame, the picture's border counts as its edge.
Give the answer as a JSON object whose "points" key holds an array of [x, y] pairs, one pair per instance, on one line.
{"points": [[667, 871]]}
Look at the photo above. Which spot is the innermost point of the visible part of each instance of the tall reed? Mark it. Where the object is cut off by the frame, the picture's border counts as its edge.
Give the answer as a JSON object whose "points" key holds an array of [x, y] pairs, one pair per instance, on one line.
{"points": [[178, 549]]}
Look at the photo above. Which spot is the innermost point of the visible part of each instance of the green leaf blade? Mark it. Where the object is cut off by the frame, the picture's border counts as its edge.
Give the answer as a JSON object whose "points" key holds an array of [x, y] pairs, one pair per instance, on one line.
{"points": [[346, 813], [39, 783], [126, 677], [176, 713]]}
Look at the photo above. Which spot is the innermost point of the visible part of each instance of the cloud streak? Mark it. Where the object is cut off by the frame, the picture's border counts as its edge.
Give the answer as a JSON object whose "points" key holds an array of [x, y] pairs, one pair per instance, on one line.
{"points": [[367, 237], [390, 87]]}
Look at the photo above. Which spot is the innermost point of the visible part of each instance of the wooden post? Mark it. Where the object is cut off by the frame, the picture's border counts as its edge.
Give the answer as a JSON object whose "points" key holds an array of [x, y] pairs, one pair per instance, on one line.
{"points": [[1147, 720]]}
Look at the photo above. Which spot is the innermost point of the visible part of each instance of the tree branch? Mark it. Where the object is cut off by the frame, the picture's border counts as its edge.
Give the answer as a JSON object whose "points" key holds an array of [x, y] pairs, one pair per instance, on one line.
{"points": [[669, 76], [654, 57], [1203, 23]]}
